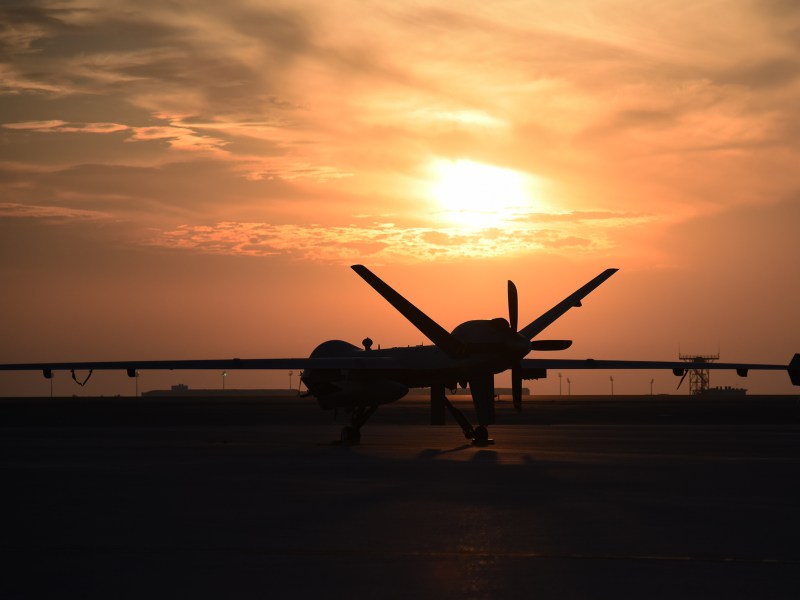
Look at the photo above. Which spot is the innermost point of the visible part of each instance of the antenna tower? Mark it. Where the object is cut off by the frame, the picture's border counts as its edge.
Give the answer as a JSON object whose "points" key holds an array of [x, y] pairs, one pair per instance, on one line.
{"points": [[699, 378]]}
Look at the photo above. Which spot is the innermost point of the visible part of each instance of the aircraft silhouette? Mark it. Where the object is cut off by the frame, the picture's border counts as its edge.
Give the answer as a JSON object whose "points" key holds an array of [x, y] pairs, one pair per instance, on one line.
{"points": [[341, 375]]}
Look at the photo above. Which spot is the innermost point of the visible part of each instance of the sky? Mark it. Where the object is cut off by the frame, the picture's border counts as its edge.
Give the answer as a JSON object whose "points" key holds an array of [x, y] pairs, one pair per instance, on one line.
{"points": [[186, 180]]}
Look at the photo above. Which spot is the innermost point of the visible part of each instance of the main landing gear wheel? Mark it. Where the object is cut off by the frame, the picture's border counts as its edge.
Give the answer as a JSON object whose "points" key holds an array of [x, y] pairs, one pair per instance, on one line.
{"points": [[351, 436], [481, 437]]}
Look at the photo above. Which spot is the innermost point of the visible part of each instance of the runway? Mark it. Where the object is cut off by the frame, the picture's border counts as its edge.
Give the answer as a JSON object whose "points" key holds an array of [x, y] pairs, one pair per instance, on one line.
{"points": [[203, 499]]}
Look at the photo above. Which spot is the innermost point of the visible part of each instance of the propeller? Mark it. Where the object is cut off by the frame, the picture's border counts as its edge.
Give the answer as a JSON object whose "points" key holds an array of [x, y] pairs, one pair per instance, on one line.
{"points": [[536, 326], [550, 345], [513, 306], [539, 345], [513, 321]]}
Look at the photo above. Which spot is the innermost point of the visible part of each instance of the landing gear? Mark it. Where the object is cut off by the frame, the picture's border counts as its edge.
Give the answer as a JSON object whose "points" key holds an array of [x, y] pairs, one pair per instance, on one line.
{"points": [[482, 437], [479, 435], [351, 434]]}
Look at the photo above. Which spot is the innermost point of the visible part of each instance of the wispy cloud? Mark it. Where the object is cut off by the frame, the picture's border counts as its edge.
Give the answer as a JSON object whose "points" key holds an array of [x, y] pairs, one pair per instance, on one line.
{"points": [[58, 126], [389, 242], [49, 213], [190, 137], [177, 136], [180, 138]]}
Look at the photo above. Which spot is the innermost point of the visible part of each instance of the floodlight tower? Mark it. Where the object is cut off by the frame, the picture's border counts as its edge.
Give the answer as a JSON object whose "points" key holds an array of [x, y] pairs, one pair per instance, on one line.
{"points": [[698, 378]]}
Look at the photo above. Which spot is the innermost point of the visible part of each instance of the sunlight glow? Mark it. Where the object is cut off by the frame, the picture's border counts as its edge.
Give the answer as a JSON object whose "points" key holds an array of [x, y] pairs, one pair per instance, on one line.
{"points": [[479, 196]]}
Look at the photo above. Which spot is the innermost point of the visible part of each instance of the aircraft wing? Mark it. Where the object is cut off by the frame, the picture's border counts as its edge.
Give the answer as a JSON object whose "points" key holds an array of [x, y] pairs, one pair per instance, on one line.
{"points": [[677, 367], [230, 364]]}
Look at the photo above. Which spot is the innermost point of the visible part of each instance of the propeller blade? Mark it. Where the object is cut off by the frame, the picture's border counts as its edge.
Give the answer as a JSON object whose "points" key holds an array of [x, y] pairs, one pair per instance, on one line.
{"points": [[513, 306], [516, 387], [430, 328], [550, 345], [573, 300]]}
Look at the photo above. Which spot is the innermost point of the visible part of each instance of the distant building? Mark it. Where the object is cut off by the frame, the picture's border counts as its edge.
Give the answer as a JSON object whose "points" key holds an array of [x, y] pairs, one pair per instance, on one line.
{"points": [[723, 391], [466, 392]]}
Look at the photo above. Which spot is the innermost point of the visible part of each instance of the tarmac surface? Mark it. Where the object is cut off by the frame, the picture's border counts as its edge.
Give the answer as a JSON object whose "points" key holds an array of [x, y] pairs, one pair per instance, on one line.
{"points": [[594, 498]]}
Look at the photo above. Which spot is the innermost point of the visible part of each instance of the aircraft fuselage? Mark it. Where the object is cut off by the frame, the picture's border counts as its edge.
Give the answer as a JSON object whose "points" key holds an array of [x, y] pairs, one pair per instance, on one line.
{"points": [[492, 348]]}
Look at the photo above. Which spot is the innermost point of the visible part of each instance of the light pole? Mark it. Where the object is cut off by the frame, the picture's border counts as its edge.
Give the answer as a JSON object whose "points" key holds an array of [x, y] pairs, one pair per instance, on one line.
{"points": [[559, 384], [611, 379], [651, 386], [569, 387], [290, 379], [224, 375]]}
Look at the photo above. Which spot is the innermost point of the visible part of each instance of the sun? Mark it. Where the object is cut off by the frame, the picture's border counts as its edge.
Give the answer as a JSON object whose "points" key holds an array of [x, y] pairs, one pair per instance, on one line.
{"points": [[477, 195]]}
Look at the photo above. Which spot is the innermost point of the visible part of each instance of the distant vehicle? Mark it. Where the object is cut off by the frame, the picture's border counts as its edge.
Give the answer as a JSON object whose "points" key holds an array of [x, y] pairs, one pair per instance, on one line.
{"points": [[341, 375]]}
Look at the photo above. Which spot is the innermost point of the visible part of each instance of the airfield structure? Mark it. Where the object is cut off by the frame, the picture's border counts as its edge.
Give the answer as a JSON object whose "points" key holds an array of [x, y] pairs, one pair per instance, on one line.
{"points": [[698, 378]]}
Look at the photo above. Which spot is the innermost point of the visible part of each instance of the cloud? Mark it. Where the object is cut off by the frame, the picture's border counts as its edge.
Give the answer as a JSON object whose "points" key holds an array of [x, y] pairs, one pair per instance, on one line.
{"points": [[765, 74], [346, 103], [23, 25], [189, 137], [176, 136], [50, 213], [179, 138], [58, 126], [391, 243], [12, 81]]}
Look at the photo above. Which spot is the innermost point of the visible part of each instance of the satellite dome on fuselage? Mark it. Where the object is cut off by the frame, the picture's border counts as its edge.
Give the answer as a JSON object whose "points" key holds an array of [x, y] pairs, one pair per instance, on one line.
{"points": [[334, 348]]}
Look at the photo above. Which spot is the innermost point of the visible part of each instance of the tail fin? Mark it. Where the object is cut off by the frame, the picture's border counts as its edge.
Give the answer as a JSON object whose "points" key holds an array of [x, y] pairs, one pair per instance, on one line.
{"points": [[794, 370]]}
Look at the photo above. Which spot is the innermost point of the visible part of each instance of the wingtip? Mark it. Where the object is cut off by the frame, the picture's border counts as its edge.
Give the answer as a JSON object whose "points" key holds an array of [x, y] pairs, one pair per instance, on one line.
{"points": [[794, 369]]}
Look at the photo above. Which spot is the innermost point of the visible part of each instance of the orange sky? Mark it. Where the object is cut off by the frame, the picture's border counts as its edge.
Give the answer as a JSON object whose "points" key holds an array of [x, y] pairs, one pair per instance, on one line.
{"points": [[191, 179]]}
